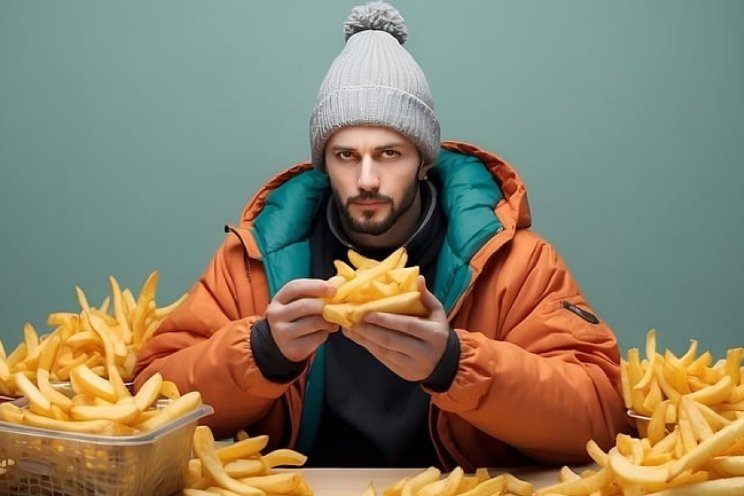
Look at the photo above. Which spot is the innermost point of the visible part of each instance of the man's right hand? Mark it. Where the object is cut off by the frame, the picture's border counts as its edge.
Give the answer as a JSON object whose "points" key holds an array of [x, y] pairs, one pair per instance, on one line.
{"points": [[295, 317]]}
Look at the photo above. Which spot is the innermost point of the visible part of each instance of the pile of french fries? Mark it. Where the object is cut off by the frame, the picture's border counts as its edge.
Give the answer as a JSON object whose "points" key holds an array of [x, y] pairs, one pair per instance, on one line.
{"points": [[106, 339], [99, 406], [240, 468], [480, 483], [648, 383], [373, 286], [693, 442]]}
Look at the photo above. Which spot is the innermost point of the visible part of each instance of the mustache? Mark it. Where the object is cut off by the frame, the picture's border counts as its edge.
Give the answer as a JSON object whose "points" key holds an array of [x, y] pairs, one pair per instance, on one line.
{"points": [[368, 196]]}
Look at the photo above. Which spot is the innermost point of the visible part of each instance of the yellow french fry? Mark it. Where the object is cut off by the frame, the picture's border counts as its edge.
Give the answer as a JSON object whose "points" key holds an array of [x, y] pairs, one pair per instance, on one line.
{"points": [[445, 487], [488, 487], [204, 449], [30, 338], [175, 409], [82, 426], [85, 381], [359, 261], [54, 396], [727, 466], [630, 472], [246, 467], [343, 269], [4, 370], [149, 392], [690, 355], [652, 357], [699, 425], [709, 448], [147, 295], [278, 483], [11, 413], [168, 389], [162, 312], [415, 483], [245, 448], [719, 487], [284, 457], [715, 393], [38, 403], [121, 412], [119, 310]]}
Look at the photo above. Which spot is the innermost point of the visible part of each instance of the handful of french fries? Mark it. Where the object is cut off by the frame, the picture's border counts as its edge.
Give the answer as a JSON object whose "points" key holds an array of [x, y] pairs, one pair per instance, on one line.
{"points": [[373, 286], [242, 469], [106, 339]]}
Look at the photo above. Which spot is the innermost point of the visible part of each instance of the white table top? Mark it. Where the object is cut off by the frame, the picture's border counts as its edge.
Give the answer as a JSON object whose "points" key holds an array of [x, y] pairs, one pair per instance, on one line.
{"points": [[354, 481]]}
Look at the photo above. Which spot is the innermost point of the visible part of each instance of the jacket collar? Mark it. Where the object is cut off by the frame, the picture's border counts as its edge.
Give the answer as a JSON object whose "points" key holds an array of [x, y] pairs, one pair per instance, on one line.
{"points": [[488, 205]]}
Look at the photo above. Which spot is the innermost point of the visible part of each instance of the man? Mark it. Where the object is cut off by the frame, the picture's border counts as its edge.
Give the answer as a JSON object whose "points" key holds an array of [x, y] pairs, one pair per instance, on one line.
{"points": [[510, 365]]}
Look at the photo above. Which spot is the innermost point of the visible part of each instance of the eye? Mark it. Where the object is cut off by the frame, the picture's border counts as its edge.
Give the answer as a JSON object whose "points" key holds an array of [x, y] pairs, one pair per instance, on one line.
{"points": [[345, 154], [390, 153]]}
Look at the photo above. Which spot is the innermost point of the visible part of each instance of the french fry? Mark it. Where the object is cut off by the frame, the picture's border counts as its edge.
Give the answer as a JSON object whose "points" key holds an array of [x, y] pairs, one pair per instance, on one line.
{"points": [[147, 294], [284, 457], [204, 449], [176, 408], [123, 412], [38, 403], [54, 396], [149, 392], [242, 449]]}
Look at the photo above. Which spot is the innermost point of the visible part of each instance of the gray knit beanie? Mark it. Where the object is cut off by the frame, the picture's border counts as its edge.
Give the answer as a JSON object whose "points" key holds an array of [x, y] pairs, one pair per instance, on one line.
{"points": [[375, 81]]}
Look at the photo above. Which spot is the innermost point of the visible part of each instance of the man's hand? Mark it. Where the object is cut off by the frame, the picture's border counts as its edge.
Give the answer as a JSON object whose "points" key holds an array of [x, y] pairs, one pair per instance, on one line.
{"points": [[409, 346], [295, 317]]}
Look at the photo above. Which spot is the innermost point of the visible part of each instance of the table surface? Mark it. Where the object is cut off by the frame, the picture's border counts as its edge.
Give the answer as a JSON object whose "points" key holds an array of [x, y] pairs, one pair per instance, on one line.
{"points": [[354, 481]]}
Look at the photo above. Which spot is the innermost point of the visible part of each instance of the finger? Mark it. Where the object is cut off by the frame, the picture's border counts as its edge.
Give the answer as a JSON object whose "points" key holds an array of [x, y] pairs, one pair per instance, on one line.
{"points": [[368, 335], [301, 348], [305, 326], [298, 309], [304, 288], [406, 324], [427, 297], [397, 361]]}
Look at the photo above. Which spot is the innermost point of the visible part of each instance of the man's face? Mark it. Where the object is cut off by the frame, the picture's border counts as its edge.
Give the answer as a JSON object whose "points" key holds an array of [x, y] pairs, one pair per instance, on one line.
{"points": [[373, 174]]}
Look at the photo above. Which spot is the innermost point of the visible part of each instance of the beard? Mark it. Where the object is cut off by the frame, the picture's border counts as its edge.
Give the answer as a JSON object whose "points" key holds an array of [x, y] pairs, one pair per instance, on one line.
{"points": [[365, 224]]}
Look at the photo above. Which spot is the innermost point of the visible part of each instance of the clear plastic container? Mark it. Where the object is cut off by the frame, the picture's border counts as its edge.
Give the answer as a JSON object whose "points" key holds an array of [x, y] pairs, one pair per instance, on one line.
{"points": [[43, 462]]}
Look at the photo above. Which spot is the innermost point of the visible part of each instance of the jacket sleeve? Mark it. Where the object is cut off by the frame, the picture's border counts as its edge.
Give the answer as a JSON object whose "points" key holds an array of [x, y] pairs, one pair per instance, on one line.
{"points": [[204, 344], [540, 373]]}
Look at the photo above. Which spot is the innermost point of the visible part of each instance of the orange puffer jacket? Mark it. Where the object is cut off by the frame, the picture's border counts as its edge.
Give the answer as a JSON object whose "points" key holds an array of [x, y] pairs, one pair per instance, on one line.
{"points": [[538, 374]]}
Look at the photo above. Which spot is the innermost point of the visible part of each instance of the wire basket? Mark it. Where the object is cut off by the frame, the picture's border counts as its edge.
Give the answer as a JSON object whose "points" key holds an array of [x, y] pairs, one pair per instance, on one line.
{"points": [[42, 462]]}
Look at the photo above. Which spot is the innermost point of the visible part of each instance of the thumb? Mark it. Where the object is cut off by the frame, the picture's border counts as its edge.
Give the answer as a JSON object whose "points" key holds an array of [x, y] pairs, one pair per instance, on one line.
{"points": [[427, 297]]}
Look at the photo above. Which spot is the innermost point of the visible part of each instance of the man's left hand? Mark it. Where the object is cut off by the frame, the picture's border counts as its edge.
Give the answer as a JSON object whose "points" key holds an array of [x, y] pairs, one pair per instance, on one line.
{"points": [[409, 346]]}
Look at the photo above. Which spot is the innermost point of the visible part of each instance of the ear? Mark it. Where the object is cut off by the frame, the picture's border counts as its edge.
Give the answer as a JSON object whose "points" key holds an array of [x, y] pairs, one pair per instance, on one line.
{"points": [[423, 170]]}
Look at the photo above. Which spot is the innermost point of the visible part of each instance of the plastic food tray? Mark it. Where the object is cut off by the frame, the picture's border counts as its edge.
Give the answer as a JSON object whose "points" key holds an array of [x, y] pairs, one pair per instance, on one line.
{"points": [[43, 462]]}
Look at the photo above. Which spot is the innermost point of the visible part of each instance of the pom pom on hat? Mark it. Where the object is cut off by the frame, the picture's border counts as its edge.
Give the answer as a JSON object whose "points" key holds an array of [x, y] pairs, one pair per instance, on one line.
{"points": [[374, 81], [376, 16]]}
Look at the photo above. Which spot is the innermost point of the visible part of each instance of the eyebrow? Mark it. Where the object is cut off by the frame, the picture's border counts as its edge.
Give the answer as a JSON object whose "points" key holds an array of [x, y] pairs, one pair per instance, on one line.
{"points": [[382, 147]]}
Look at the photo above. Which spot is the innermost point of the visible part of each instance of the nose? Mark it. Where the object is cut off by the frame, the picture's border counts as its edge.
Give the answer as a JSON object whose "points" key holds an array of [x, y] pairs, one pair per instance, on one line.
{"points": [[368, 178]]}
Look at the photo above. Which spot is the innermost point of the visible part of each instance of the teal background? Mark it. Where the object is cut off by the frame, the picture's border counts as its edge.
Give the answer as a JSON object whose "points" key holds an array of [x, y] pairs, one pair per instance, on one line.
{"points": [[130, 132]]}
